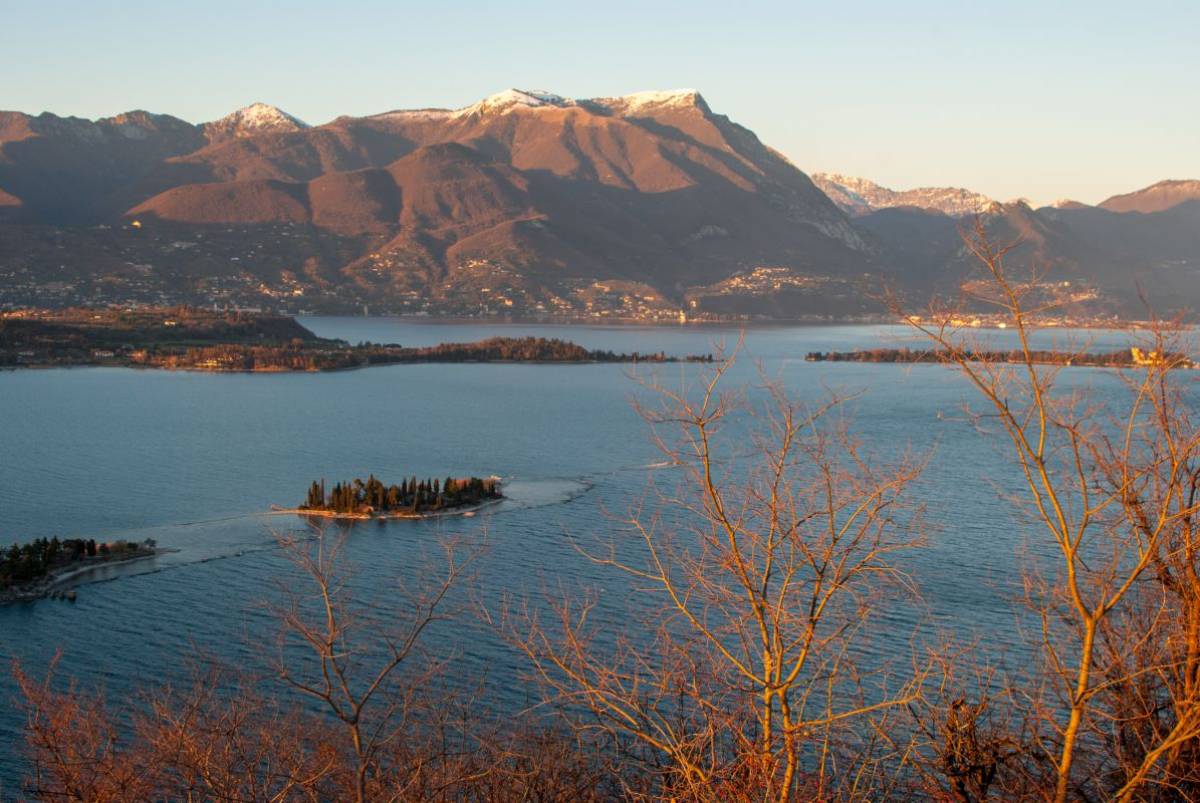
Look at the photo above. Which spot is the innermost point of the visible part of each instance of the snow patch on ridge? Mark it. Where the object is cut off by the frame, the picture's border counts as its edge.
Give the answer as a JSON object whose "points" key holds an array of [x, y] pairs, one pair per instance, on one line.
{"points": [[500, 102], [258, 117], [415, 114], [654, 98], [526, 97], [510, 98], [859, 196], [538, 99]]}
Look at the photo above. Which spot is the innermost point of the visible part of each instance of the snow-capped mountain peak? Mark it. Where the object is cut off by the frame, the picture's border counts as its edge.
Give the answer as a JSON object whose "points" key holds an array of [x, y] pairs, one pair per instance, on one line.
{"points": [[525, 97], [639, 101], [539, 100], [255, 119], [860, 196], [513, 99]]}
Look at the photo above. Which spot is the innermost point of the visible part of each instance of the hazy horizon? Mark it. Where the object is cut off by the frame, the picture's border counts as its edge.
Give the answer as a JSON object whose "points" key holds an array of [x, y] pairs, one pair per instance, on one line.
{"points": [[1078, 101]]}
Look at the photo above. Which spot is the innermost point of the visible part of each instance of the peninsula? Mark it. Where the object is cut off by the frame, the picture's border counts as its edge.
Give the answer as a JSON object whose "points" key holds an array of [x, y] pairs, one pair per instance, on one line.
{"points": [[188, 338], [412, 498], [1125, 358], [32, 570]]}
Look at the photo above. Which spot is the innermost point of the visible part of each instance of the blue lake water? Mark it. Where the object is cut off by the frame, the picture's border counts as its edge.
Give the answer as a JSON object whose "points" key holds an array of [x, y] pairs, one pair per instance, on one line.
{"points": [[195, 460]]}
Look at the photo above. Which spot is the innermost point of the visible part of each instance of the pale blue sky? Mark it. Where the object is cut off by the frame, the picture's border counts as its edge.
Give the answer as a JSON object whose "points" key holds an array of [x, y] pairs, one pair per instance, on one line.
{"points": [[1039, 99]]}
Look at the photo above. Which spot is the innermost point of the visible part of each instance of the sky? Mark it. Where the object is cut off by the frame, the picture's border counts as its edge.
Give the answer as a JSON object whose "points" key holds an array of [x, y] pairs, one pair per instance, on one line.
{"points": [[1042, 100]]}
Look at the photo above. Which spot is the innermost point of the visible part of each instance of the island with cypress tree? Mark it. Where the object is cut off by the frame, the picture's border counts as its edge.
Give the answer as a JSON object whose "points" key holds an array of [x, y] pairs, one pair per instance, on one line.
{"points": [[412, 498]]}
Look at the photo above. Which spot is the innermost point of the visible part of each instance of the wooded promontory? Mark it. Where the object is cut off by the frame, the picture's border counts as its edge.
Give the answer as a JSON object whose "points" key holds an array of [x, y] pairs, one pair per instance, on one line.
{"points": [[1124, 358], [187, 338]]}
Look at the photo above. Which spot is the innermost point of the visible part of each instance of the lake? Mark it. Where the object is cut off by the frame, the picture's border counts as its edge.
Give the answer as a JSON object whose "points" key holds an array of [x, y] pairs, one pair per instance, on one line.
{"points": [[195, 460]]}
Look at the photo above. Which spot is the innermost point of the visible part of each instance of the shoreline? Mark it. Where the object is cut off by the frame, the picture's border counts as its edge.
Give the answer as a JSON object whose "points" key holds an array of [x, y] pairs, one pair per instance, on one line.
{"points": [[365, 366], [53, 581], [210, 343], [1118, 360], [331, 514], [724, 323], [194, 370]]}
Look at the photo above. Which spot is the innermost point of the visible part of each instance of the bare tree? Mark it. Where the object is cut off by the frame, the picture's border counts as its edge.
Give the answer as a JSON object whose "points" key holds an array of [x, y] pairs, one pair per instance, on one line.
{"points": [[763, 571], [1113, 486], [350, 660]]}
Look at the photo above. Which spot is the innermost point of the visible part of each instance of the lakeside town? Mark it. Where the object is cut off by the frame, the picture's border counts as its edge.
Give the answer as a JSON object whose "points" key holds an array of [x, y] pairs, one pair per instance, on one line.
{"points": [[139, 264]]}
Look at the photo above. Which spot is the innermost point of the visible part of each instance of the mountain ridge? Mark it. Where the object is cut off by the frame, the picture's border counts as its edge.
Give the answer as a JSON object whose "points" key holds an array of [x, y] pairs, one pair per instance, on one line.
{"points": [[526, 200], [1157, 197], [647, 205], [860, 196]]}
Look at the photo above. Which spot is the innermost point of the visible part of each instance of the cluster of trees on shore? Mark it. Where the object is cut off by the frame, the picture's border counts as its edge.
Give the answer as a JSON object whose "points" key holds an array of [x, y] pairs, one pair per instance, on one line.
{"points": [[25, 563], [295, 355], [1125, 358], [359, 497], [328, 355], [527, 349], [184, 337]]}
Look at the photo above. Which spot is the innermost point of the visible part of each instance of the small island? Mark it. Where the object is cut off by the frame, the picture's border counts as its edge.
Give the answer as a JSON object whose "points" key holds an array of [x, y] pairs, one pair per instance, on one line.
{"points": [[192, 339], [33, 570], [411, 499], [1125, 358]]}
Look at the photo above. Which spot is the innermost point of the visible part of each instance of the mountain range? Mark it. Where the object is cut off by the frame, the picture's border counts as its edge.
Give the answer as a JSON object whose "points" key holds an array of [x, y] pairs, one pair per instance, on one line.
{"points": [[525, 203], [860, 196]]}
